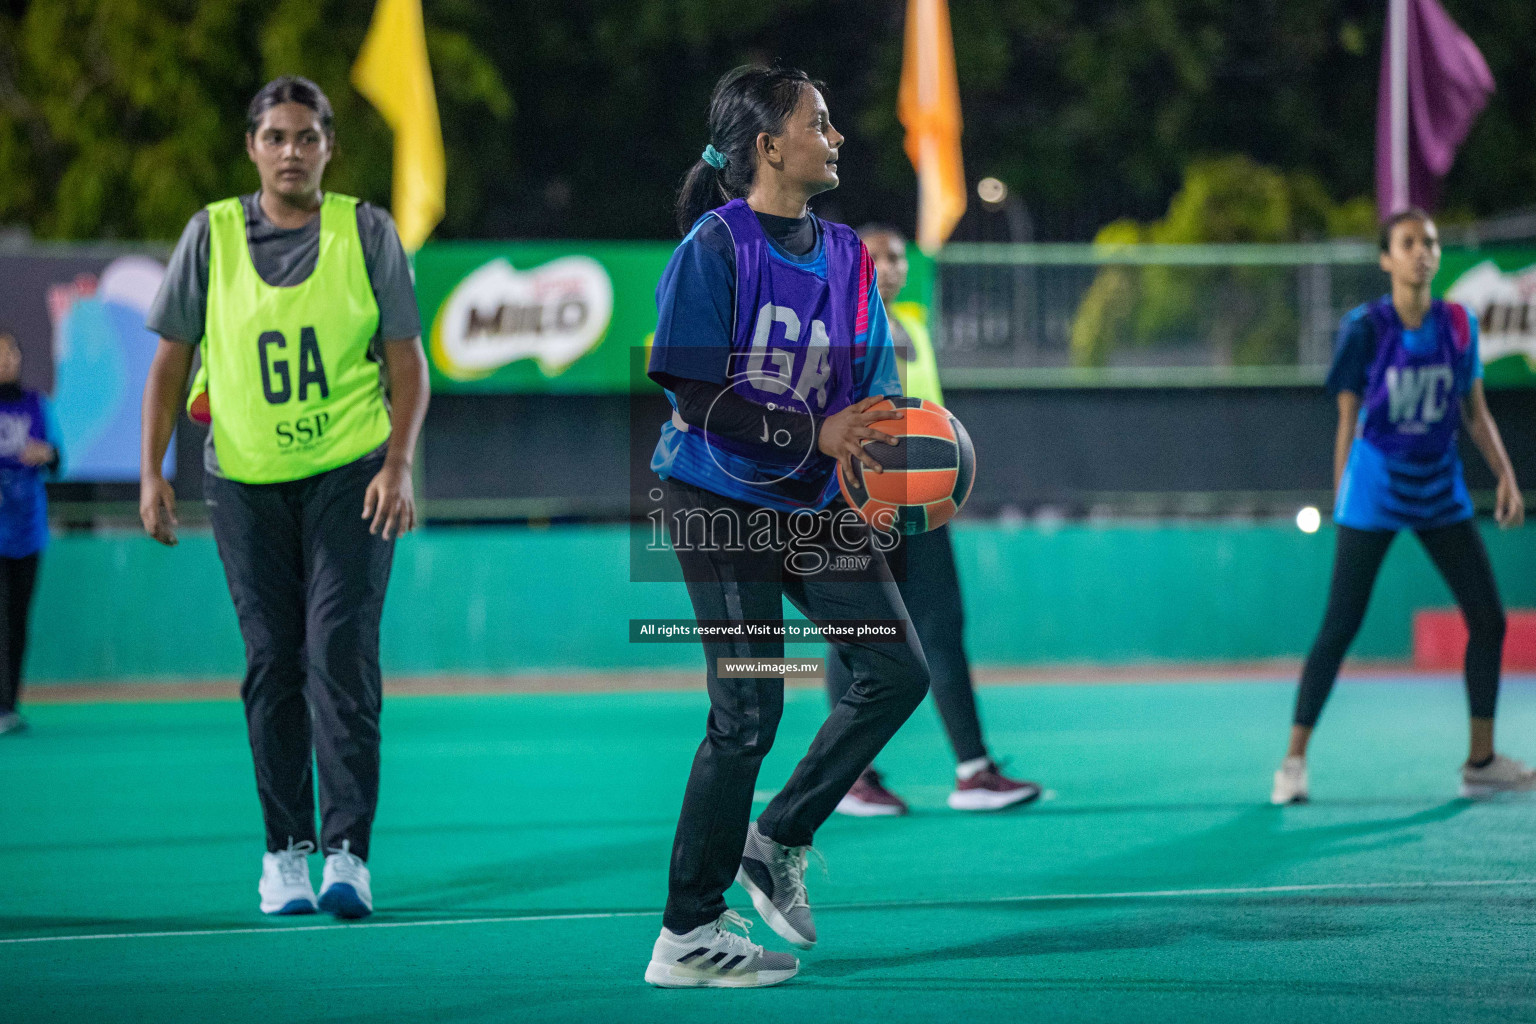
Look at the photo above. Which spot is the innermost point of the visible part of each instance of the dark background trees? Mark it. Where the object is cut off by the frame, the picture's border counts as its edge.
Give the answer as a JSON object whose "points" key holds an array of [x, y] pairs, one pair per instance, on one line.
{"points": [[118, 118]]}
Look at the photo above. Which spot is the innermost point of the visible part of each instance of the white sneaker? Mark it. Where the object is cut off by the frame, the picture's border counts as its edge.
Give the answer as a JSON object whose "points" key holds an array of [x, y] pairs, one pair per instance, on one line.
{"points": [[1501, 775], [11, 722], [710, 956], [1290, 782], [285, 887], [344, 889]]}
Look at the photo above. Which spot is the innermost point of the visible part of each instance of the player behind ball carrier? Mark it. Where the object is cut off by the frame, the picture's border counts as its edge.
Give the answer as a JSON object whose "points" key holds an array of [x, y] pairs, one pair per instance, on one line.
{"points": [[772, 344], [1406, 374], [924, 567]]}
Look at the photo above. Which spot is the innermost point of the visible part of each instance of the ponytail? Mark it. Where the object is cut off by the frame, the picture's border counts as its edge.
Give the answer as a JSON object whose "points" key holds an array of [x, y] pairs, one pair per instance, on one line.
{"points": [[747, 102], [701, 191]]}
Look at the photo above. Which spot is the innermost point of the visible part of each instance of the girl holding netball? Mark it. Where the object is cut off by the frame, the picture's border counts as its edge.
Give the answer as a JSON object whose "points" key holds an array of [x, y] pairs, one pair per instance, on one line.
{"points": [[773, 345], [302, 305], [1407, 375]]}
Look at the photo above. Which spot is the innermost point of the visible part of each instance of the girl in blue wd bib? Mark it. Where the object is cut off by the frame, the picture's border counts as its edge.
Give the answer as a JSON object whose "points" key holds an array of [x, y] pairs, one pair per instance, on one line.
{"points": [[1407, 376]]}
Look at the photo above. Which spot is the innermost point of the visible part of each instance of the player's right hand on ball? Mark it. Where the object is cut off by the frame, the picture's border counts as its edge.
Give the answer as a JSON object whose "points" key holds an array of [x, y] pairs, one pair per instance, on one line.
{"points": [[843, 434], [157, 509]]}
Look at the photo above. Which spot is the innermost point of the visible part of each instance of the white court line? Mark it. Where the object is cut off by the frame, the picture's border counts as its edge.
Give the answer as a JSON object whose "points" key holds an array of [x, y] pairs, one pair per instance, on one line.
{"points": [[607, 915], [279, 929]]}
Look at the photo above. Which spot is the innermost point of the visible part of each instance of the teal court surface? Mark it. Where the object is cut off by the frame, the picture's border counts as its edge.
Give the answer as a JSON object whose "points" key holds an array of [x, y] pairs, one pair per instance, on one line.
{"points": [[520, 859]]}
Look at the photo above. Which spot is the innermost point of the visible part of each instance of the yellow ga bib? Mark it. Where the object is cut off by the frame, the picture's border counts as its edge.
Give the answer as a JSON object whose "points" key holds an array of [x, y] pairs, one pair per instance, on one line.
{"points": [[918, 369], [292, 385]]}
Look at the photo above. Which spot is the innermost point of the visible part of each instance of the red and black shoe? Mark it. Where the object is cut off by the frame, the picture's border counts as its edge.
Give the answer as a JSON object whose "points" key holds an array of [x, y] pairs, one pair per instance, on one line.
{"points": [[991, 790], [870, 799]]}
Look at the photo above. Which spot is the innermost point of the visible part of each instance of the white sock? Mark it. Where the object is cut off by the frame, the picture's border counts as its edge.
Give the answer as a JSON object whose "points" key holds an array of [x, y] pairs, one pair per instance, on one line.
{"points": [[965, 771], [692, 936]]}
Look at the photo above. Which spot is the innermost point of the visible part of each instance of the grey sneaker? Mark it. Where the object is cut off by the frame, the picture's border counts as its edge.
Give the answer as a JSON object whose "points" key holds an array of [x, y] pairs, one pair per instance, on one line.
{"points": [[774, 876], [717, 955], [10, 721]]}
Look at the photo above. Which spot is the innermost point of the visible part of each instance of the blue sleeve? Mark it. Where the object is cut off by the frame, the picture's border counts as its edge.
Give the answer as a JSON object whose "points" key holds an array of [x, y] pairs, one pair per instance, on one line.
{"points": [[876, 367], [696, 308], [1353, 351], [1474, 354], [54, 436]]}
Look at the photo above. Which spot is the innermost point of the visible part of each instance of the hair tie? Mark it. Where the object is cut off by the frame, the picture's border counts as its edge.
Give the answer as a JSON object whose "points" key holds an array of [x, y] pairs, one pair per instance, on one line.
{"points": [[714, 158]]}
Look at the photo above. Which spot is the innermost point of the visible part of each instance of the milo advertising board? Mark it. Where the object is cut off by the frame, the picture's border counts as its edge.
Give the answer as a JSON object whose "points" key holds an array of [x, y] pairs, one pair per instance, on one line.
{"points": [[1499, 286], [536, 316], [549, 316]]}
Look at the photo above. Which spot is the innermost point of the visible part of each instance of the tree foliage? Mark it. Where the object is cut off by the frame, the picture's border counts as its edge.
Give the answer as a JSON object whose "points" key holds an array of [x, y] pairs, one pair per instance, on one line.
{"points": [[118, 117], [1245, 313]]}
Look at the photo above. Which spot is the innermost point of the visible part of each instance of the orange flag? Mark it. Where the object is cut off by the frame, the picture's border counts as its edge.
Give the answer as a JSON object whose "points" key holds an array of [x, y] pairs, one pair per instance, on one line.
{"points": [[928, 104]]}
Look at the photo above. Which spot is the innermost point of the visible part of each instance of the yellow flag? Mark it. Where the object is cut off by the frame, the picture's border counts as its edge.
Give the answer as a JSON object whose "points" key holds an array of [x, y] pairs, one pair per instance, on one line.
{"points": [[928, 104], [392, 72]]}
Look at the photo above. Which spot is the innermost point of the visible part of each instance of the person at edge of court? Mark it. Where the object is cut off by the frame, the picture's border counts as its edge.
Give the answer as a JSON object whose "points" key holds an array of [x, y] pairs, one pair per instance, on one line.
{"points": [[30, 453], [302, 307], [772, 345], [1406, 374], [924, 568]]}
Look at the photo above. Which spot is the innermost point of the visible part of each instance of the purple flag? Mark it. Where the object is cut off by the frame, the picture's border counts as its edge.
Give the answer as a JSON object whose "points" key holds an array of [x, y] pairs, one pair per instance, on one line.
{"points": [[1447, 85]]}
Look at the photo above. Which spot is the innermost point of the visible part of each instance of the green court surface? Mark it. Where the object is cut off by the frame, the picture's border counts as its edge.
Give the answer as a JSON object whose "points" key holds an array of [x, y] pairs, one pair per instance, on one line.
{"points": [[520, 858]]}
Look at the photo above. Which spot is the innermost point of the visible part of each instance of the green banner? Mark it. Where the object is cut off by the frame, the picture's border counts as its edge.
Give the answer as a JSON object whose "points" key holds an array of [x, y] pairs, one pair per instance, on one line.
{"points": [[550, 316], [536, 316], [1499, 286]]}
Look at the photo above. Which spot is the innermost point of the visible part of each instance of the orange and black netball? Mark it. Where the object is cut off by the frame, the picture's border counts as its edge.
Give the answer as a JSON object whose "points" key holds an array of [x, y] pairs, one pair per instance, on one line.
{"points": [[927, 474]]}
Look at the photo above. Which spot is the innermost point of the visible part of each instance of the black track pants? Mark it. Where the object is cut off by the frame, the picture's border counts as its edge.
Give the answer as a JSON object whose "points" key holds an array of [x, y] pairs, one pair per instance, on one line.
{"points": [[308, 582], [1457, 551], [889, 681]]}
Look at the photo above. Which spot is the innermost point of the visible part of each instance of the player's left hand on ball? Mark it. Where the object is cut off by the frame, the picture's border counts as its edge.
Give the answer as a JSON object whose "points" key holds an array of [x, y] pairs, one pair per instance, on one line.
{"points": [[843, 434], [1509, 505], [389, 502]]}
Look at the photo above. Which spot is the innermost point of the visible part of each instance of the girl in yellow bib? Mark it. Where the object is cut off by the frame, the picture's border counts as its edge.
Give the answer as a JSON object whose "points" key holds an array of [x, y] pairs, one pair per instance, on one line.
{"points": [[313, 377]]}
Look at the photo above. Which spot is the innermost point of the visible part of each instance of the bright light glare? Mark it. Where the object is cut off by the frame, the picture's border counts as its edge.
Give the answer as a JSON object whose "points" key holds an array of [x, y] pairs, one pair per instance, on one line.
{"points": [[1309, 519], [991, 191]]}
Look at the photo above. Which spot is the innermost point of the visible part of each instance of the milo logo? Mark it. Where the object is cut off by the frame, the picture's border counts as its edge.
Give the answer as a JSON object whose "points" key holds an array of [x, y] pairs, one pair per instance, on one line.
{"points": [[1503, 303], [498, 314]]}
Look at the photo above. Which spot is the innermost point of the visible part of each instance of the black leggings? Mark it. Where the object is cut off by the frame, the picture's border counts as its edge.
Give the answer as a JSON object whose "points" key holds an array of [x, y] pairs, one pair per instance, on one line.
{"points": [[1457, 551], [17, 577]]}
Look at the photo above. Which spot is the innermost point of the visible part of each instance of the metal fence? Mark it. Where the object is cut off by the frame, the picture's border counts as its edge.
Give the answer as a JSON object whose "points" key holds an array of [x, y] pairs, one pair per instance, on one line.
{"points": [[1085, 312]]}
